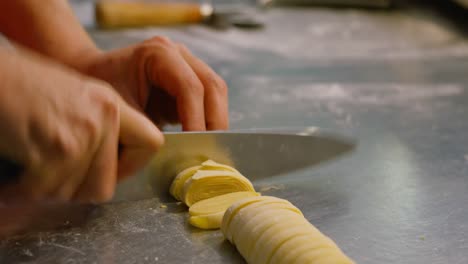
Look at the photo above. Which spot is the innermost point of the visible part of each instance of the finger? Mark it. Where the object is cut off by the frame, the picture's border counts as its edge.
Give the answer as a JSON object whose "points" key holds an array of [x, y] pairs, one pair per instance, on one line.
{"points": [[38, 182], [216, 99], [84, 139], [139, 138], [99, 184], [74, 169], [73, 177], [100, 180], [167, 69], [41, 174], [56, 166]]}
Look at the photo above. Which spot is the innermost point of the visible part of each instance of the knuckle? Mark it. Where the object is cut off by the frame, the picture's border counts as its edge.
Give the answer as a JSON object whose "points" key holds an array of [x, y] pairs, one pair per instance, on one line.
{"points": [[65, 145], [182, 47], [196, 88], [90, 128], [95, 85], [155, 46], [217, 84], [110, 109], [150, 52], [142, 50], [155, 49], [161, 40], [190, 86], [107, 104]]}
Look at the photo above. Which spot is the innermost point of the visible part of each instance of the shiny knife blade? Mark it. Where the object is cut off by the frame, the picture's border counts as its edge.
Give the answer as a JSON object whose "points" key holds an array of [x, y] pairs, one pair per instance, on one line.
{"points": [[257, 155]]}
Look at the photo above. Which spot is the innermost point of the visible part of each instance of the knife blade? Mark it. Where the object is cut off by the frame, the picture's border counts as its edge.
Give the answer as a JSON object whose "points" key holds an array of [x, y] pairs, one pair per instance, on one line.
{"points": [[257, 155]]}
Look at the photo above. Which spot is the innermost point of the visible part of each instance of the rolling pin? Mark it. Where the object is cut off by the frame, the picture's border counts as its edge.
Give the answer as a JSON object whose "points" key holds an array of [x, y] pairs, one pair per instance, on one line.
{"points": [[111, 14]]}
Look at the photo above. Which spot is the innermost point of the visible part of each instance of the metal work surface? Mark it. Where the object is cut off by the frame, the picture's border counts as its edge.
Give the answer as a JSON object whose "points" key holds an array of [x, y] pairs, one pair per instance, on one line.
{"points": [[397, 81]]}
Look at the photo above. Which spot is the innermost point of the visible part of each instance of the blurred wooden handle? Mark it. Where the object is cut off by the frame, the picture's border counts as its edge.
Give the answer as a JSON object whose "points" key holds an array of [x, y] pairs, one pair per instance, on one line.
{"points": [[118, 14]]}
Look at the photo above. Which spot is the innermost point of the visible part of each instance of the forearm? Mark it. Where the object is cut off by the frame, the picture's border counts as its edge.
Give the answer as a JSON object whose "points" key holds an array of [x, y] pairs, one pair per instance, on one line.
{"points": [[48, 27]]}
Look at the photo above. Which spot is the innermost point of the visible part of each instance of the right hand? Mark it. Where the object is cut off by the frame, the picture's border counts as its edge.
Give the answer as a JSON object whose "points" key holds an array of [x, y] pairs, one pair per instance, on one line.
{"points": [[64, 129]]}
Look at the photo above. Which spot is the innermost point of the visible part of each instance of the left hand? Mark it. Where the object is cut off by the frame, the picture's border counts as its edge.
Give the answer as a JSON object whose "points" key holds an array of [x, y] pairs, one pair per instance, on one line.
{"points": [[165, 80]]}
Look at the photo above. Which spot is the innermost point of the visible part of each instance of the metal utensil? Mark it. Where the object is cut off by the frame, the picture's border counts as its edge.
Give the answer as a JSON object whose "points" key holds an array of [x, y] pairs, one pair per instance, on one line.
{"points": [[360, 3], [256, 155], [115, 14]]}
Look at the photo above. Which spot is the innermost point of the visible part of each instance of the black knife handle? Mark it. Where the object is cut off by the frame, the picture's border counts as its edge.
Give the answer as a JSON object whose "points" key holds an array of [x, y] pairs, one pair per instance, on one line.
{"points": [[9, 171]]}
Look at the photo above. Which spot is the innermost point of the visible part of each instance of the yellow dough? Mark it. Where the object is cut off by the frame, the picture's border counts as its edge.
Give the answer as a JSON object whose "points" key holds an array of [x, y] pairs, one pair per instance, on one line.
{"points": [[209, 189], [259, 217], [264, 229], [205, 184], [177, 185], [208, 213], [218, 203], [270, 233], [207, 180], [267, 244], [211, 221], [250, 217], [322, 256], [298, 244], [245, 244], [212, 165], [234, 209]]}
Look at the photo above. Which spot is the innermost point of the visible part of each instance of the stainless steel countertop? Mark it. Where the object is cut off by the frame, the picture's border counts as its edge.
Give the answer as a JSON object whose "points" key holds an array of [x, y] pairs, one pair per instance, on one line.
{"points": [[396, 81]]}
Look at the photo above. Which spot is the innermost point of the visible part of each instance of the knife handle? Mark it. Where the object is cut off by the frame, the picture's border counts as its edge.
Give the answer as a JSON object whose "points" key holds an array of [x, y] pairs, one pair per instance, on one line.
{"points": [[9, 171], [119, 14]]}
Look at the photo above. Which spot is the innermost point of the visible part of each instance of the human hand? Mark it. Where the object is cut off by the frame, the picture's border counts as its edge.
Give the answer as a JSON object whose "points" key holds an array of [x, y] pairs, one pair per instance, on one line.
{"points": [[165, 80], [64, 129]]}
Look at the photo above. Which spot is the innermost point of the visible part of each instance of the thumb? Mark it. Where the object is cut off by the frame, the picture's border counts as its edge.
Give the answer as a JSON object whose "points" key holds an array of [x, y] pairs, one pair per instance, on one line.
{"points": [[139, 139]]}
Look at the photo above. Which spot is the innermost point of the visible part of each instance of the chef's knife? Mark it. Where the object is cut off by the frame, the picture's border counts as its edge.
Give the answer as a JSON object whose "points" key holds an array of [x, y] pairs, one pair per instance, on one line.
{"points": [[257, 155]]}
